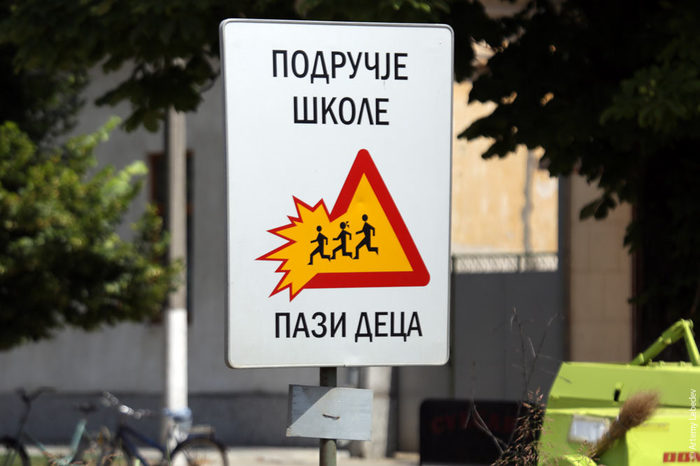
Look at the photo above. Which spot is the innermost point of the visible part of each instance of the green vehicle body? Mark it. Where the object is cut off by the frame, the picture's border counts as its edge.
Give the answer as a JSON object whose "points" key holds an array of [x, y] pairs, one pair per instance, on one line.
{"points": [[591, 394]]}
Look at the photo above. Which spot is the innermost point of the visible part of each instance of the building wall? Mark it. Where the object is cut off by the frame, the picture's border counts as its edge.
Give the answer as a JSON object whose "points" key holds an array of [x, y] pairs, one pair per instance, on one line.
{"points": [[600, 282], [488, 196], [509, 339]]}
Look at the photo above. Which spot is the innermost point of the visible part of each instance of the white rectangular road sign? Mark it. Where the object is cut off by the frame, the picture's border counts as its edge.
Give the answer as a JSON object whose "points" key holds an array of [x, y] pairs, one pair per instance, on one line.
{"points": [[338, 146]]}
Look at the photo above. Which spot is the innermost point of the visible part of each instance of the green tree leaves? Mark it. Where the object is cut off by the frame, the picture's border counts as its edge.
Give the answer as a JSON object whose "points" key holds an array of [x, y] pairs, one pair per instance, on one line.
{"points": [[170, 47], [612, 92], [61, 262]]}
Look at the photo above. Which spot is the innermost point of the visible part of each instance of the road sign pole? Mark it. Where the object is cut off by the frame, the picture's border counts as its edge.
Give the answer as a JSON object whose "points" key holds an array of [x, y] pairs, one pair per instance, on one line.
{"points": [[327, 447], [175, 328]]}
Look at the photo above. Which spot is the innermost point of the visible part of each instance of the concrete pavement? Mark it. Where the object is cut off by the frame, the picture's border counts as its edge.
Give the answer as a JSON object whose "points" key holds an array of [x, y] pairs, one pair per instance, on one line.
{"points": [[278, 456]]}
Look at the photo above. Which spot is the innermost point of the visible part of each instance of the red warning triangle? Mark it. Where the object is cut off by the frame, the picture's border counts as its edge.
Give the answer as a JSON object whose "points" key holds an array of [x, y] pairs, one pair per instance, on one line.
{"points": [[414, 274]]}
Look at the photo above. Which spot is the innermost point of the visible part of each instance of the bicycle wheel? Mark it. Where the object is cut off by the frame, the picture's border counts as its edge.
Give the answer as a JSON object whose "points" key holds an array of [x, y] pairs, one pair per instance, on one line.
{"points": [[199, 451], [12, 453]]}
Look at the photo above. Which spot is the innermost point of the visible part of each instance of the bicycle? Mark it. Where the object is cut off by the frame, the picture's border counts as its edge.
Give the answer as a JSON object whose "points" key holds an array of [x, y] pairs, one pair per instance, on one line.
{"points": [[193, 446], [13, 451]]}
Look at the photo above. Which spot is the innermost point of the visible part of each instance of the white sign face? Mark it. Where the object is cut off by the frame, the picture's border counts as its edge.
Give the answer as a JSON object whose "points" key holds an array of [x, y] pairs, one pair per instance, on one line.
{"points": [[338, 144]]}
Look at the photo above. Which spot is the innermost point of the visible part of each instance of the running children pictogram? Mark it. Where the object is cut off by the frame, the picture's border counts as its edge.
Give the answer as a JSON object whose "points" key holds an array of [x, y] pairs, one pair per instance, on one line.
{"points": [[322, 242], [368, 231], [378, 252], [343, 237]]}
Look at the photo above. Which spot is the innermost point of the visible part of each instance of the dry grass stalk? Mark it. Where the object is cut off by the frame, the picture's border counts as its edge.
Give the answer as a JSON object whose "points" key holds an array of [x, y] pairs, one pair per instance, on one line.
{"points": [[635, 410]]}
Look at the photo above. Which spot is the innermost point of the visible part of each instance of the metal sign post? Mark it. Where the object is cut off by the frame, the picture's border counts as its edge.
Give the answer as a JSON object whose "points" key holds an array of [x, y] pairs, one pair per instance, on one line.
{"points": [[328, 447]]}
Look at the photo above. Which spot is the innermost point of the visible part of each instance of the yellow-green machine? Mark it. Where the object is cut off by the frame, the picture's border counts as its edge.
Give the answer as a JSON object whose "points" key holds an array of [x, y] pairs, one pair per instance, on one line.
{"points": [[586, 399]]}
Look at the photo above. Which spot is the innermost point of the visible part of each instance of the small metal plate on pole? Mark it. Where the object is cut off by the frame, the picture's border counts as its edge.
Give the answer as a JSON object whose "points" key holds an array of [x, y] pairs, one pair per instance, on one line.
{"points": [[329, 412]]}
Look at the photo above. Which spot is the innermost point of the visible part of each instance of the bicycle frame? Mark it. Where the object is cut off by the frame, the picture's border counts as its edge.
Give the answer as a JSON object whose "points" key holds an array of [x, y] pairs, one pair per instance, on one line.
{"points": [[129, 440], [126, 435], [26, 438]]}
